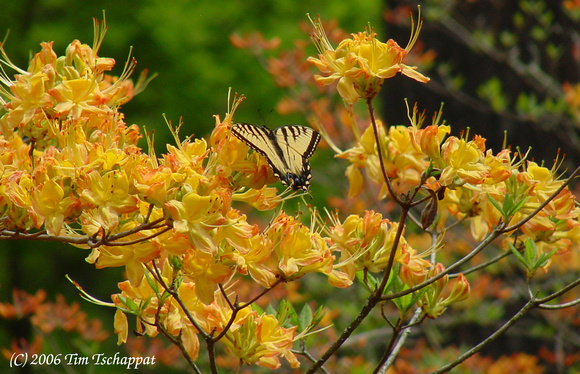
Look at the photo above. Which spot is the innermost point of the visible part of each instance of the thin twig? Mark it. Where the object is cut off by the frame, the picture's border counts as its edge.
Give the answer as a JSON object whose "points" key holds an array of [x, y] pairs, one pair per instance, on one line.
{"points": [[483, 265], [394, 337], [380, 153], [522, 312], [488, 240], [401, 341], [305, 353], [559, 306], [532, 303]]}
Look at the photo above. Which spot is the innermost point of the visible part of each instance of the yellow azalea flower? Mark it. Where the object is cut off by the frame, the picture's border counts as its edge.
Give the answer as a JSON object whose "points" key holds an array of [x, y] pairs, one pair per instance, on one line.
{"points": [[154, 184], [188, 156], [253, 256], [556, 226], [362, 63], [403, 163], [144, 304], [109, 193], [264, 199], [364, 154], [131, 257], [16, 189], [65, 87], [260, 340], [28, 98], [49, 202], [121, 327], [196, 215], [500, 166], [465, 163], [78, 97], [355, 179], [248, 249], [428, 140], [206, 271], [414, 269], [298, 250], [407, 163], [541, 179]]}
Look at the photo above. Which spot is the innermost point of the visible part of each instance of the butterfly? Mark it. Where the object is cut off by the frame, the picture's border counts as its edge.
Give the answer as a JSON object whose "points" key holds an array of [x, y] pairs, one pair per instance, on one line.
{"points": [[287, 149]]}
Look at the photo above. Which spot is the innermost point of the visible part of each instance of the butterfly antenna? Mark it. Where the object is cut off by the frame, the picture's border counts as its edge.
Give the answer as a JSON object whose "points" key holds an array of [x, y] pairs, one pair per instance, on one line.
{"points": [[264, 121]]}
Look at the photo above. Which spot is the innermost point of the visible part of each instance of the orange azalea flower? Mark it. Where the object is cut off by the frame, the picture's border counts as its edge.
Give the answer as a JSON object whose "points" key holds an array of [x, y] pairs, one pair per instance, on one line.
{"points": [[362, 63], [435, 301]]}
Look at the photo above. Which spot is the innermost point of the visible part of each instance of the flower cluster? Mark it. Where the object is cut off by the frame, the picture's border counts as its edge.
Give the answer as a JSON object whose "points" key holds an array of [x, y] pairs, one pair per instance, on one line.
{"points": [[362, 63], [250, 337], [47, 317], [475, 181], [72, 171]]}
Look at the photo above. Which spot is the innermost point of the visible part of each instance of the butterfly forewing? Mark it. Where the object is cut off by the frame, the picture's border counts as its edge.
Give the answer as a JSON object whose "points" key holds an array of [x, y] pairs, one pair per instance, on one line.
{"points": [[286, 148]]}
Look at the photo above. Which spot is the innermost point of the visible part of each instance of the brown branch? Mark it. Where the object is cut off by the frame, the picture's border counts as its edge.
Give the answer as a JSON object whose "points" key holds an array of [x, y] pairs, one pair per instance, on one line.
{"points": [[369, 102]]}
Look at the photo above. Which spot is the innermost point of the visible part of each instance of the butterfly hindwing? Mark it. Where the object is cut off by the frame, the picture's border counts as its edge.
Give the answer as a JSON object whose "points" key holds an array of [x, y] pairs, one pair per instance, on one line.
{"points": [[286, 148]]}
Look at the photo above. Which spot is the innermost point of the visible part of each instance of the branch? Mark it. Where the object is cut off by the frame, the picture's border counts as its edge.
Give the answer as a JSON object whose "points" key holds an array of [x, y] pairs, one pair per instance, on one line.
{"points": [[522, 312], [490, 238], [380, 153], [532, 303]]}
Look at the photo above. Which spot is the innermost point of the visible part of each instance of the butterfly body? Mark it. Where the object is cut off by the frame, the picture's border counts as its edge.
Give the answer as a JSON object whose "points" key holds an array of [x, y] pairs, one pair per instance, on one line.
{"points": [[286, 148]]}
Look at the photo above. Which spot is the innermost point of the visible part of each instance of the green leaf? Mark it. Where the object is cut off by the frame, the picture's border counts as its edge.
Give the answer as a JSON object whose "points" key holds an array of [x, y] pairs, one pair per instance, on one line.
{"points": [[517, 254], [256, 308], [305, 318], [544, 258], [530, 252], [270, 310], [153, 284], [495, 204]]}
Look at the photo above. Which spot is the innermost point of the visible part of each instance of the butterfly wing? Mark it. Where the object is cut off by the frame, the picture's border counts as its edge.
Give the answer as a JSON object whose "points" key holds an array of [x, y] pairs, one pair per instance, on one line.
{"points": [[297, 144], [287, 150]]}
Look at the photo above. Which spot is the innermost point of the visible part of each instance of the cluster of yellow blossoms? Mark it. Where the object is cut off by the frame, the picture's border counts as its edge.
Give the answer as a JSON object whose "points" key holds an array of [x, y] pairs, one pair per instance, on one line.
{"points": [[71, 171], [473, 179]]}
